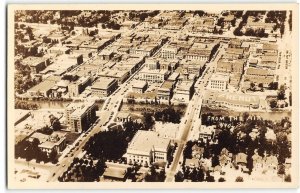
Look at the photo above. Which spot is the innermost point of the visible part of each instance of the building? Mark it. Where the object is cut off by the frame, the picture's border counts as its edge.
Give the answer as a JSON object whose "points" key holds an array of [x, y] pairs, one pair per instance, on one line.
{"points": [[36, 64], [106, 54], [153, 76], [59, 50], [184, 91], [258, 75], [165, 92], [147, 147], [115, 174], [55, 142], [206, 132], [219, 81], [169, 52], [80, 115], [234, 53], [151, 64], [123, 117], [232, 100], [230, 66], [77, 87], [139, 86], [44, 88], [103, 87]]}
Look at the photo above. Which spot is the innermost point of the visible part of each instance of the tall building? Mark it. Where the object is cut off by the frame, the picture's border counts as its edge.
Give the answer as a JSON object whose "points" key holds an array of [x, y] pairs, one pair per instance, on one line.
{"points": [[81, 115]]}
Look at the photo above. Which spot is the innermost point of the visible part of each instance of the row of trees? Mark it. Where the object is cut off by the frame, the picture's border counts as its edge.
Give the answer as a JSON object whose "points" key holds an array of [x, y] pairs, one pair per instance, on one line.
{"points": [[194, 174], [83, 170], [25, 105], [240, 140], [155, 176], [111, 145], [30, 150]]}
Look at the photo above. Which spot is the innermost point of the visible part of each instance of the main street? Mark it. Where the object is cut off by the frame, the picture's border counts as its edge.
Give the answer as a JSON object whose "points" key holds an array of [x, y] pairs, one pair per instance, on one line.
{"points": [[192, 114]]}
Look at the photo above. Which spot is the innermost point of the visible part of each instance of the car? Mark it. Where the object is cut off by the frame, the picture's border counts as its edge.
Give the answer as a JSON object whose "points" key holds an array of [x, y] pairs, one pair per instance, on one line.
{"points": [[53, 174], [64, 165]]}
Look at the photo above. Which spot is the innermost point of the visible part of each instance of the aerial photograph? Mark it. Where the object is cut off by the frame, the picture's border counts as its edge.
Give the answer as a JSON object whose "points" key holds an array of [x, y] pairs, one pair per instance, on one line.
{"points": [[152, 96]]}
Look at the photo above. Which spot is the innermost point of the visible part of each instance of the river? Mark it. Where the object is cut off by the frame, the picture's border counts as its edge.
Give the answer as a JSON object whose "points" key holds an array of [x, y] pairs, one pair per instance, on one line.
{"points": [[56, 104]]}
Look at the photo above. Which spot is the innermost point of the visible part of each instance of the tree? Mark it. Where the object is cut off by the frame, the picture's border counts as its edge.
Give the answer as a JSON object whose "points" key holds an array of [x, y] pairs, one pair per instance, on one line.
{"points": [[282, 29], [221, 180], [273, 103], [148, 120], [281, 93], [261, 86], [53, 156], [239, 179], [252, 86], [55, 124], [245, 116], [288, 178], [273, 86], [281, 169], [179, 177]]}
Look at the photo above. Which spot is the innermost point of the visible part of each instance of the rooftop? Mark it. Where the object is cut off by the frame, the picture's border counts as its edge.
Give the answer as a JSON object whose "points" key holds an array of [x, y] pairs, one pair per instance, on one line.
{"points": [[145, 141], [139, 84], [103, 83], [220, 77], [33, 61]]}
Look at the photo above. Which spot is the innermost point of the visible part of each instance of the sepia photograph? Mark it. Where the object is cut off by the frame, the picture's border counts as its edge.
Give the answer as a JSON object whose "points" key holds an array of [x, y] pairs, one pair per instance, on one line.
{"points": [[152, 96]]}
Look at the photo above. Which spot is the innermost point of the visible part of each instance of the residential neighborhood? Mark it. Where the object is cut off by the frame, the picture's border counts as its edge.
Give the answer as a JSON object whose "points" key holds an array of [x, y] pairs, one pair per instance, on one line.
{"points": [[153, 96]]}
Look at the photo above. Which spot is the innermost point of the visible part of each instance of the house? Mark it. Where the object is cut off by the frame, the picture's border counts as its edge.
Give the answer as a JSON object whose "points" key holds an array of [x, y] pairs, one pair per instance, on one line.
{"points": [[55, 142], [240, 159], [197, 151], [224, 157], [192, 163], [257, 162], [271, 164], [206, 132]]}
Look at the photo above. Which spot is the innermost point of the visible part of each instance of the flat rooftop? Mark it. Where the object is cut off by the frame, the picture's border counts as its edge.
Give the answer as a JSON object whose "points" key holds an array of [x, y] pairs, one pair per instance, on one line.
{"points": [[144, 141], [103, 83], [220, 77], [139, 84], [33, 61]]}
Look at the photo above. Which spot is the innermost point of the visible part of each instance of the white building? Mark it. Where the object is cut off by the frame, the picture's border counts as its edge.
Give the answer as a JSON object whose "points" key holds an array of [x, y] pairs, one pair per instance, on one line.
{"points": [[147, 147], [219, 81], [169, 52], [153, 76]]}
